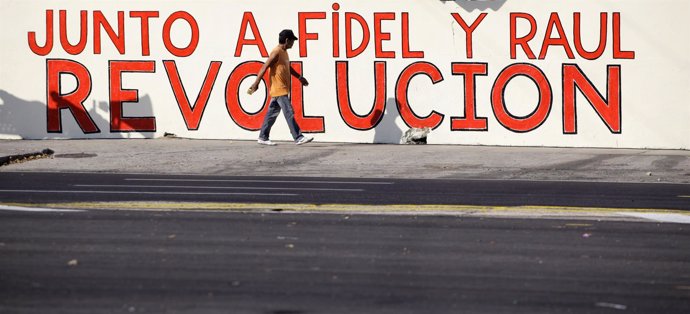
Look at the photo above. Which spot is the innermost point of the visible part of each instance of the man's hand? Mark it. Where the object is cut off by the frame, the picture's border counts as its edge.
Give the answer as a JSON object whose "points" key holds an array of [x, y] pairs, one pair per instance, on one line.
{"points": [[253, 88], [304, 81]]}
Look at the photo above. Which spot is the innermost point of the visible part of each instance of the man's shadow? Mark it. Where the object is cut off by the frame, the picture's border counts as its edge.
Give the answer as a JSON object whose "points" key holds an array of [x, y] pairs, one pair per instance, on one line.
{"points": [[387, 131]]}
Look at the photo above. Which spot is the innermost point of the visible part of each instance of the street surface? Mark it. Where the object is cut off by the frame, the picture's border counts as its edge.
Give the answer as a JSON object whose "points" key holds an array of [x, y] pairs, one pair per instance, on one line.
{"points": [[228, 262], [35, 187], [81, 258]]}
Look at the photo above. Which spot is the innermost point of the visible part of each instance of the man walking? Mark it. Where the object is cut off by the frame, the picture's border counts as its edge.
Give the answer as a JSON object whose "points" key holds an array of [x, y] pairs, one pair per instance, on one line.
{"points": [[279, 64]]}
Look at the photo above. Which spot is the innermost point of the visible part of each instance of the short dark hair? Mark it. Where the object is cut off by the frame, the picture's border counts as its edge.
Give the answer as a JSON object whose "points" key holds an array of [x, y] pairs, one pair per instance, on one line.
{"points": [[285, 35]]}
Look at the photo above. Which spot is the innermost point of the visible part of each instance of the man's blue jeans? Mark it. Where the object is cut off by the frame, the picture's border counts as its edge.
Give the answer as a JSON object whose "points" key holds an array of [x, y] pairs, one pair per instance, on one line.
{"points": [[278, 103]]}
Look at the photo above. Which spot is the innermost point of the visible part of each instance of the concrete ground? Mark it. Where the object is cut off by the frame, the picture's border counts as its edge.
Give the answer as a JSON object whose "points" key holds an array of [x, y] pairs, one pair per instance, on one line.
{"points": [[224, 157]]}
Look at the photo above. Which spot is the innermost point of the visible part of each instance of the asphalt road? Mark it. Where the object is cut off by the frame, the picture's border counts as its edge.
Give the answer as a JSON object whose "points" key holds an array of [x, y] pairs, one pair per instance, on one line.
{"points": [[223, 262], [124, 261], [84, 187]]}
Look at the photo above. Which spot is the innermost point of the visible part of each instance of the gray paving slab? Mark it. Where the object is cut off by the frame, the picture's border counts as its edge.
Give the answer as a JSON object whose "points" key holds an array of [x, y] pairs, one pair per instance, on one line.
{"points": [[224, 157]]}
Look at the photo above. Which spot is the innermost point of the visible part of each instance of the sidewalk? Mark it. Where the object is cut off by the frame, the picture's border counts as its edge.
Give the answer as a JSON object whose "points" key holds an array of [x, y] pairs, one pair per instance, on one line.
{"points": [[246, 158]]}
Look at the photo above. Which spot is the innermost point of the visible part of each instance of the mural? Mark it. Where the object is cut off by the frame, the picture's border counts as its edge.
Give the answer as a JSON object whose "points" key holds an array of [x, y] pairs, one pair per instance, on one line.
{"points": [[585, 73]]}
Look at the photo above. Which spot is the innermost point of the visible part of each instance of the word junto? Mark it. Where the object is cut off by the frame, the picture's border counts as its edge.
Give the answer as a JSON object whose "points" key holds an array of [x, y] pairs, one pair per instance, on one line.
{"points": [[117, 38]]}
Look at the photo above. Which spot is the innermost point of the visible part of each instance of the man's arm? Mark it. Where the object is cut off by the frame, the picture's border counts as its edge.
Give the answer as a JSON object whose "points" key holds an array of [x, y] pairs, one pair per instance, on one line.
{"points": [[270, 61], [299, 76]]}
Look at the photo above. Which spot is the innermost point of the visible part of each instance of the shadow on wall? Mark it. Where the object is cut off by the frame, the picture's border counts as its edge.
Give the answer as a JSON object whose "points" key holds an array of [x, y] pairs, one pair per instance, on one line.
{"points": [[482, 5], [387, 131], [25, 119], [20, 118]]}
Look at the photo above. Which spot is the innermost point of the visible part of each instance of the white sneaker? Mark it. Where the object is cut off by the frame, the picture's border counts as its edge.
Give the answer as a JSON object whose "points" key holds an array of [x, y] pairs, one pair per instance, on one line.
{"points": [[304, 140], [265, 142]]}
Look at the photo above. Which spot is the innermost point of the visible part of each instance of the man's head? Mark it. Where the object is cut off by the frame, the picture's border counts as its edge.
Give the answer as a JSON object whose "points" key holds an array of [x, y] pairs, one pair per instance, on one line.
{"points": [[287, 38]]}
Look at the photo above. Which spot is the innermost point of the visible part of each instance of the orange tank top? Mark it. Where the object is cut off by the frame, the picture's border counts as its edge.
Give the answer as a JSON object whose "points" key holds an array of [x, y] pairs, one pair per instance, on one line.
{"points": [[280, 74]]}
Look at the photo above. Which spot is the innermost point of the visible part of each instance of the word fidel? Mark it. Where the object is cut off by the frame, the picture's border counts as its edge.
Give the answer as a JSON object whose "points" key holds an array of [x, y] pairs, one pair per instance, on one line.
{"points": [[608, 108]]}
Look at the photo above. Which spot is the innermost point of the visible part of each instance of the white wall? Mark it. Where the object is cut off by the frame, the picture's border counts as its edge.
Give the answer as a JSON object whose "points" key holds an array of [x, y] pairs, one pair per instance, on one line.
{"points": [[654, 85]]}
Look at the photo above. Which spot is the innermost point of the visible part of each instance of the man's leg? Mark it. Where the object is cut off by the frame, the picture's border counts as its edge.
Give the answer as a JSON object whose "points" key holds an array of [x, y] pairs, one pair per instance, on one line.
{"points": [[270, 119], [286, 105]]}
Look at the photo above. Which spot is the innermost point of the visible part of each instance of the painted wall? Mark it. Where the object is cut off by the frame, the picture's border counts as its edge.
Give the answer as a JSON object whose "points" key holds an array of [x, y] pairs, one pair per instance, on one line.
{"points": [[585, 73]]}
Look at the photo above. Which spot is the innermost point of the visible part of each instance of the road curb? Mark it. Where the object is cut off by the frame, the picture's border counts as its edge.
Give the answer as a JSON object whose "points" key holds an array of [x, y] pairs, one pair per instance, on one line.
{"points": [[18, 158], [516, 212]]}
